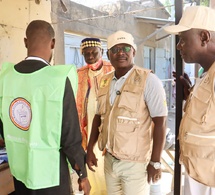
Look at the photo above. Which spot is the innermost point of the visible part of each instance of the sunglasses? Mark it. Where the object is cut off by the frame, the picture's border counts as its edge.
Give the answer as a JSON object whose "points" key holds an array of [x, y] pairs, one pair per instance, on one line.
{"points": [[124, 49]]}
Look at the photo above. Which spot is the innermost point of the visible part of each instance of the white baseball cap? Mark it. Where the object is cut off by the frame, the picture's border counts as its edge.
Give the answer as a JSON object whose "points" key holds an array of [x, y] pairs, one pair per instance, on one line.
{"points": [[198, 17], [120, 37]]}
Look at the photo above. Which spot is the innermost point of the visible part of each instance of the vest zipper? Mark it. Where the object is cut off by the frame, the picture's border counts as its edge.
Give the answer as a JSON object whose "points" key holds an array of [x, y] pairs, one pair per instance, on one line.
{"points": [[200, 136], [127, 118]]}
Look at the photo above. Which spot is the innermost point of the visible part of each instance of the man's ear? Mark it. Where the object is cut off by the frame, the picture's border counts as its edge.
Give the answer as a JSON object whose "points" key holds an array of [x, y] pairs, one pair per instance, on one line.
{"points": [[205, 36], [134, 52], [53, 43], [108, 55], [25, 42]]}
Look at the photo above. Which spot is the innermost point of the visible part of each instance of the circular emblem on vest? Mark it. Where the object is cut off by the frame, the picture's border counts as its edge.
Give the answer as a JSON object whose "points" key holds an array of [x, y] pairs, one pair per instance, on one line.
{"points": [[20, 113]]}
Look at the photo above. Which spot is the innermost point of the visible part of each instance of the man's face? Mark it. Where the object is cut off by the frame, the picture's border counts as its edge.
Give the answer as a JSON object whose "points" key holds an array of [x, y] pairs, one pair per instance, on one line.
{"points": [[92, 54], [121, 56], [189, 45]]}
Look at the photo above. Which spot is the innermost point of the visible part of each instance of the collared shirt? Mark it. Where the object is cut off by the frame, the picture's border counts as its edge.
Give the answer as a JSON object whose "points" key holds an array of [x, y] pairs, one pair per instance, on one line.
{"points": [[116, 85], [154, 94], [37, 58]]}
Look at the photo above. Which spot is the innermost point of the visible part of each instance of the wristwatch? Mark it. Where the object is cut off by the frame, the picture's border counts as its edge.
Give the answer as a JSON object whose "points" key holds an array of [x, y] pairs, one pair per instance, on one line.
{"points": [[156, 165]]}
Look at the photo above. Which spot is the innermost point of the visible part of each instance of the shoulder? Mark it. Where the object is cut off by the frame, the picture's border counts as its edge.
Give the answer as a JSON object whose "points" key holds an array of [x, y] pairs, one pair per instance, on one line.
{"points": [[142, 71], [153, 77], [153, 82], [106, 77], [141, 68], [106, 63], [83, 69], [107, 66], [108, 74]]}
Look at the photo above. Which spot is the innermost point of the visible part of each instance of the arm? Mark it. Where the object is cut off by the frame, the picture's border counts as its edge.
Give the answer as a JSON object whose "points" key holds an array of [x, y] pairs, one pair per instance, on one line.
{"points": [[1, 134], [155, 98], [71, 138], [91, 158], [159, 135], [1, 128]]}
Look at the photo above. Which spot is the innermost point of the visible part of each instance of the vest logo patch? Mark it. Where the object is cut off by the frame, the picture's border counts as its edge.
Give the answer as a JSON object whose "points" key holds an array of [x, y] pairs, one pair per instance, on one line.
{"points": [[104, 82], [20, 113]]}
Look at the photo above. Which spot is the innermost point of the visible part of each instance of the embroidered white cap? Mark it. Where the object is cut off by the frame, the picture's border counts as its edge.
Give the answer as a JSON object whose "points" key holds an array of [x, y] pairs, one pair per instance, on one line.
{"points": [[198, 17], [120, 37]]}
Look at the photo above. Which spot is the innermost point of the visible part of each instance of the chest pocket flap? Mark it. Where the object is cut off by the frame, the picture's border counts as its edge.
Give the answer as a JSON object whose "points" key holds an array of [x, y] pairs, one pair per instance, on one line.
{"points": [[130, 97], [199, 101]]}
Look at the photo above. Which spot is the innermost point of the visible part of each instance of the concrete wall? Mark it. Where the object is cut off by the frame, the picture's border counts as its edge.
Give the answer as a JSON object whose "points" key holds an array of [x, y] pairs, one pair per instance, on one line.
{"points": [[15, 15], [79, 20]]}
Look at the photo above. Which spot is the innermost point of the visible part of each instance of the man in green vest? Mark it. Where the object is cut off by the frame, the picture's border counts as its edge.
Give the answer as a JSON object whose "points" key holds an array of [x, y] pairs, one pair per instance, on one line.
{"points": [[40, 121]]}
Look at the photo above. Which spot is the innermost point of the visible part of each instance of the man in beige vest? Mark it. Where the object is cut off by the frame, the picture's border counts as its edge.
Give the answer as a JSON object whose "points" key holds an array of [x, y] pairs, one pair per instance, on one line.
{"points": [[196, 30], [130, 100]]}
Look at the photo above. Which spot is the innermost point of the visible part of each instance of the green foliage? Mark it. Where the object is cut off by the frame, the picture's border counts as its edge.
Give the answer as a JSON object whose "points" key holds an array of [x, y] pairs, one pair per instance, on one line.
{"points": [[167, 3], [204, 2]]}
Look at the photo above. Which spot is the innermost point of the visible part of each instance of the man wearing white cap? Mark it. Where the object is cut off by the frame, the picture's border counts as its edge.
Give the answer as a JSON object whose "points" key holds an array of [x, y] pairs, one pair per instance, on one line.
{"points": [[130, 99], [196, 30]]}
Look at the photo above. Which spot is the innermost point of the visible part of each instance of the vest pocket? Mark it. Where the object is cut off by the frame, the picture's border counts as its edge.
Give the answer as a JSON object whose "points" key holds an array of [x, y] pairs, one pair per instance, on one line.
{"points": [[199, 101], [198, 145], [130, 98], [126, 136], [203, 173], [199, 162]]}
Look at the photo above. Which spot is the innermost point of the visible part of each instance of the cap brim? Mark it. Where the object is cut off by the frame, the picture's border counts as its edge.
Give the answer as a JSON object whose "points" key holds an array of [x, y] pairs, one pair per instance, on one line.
{"points": [[131, 44], [175, 29]]}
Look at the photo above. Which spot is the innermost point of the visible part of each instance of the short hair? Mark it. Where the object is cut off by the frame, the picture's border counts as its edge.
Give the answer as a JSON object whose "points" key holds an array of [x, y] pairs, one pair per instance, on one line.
{"points": [[39, 27]]}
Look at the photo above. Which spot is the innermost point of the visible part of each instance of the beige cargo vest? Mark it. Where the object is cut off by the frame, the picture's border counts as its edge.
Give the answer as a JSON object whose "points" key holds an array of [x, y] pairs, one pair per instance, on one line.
{"points": [[197, 131], [127, 122]]}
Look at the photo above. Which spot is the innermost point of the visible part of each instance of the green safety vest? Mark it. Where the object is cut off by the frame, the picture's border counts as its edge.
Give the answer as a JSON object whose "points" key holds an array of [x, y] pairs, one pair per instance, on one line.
{"points": [[31, 108], [73, 76]]}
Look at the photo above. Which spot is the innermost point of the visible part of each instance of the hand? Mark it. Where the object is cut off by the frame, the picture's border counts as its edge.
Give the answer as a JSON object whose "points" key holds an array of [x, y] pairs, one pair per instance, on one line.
{"points": [[91, 160], [84, 184], [2, 144], [185, 81], [153, 174]]}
